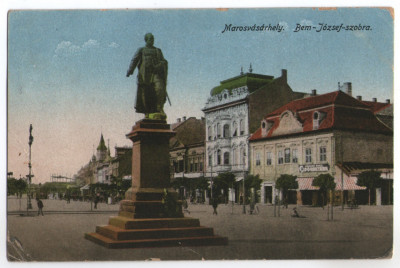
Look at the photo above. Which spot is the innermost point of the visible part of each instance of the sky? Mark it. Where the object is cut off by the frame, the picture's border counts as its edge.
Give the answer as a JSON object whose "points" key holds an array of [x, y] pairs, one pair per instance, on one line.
{"points": [[66, 70]]}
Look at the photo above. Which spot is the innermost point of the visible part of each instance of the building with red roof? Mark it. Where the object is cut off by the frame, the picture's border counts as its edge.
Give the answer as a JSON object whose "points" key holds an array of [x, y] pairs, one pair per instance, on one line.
{"points": [[322, 134]]}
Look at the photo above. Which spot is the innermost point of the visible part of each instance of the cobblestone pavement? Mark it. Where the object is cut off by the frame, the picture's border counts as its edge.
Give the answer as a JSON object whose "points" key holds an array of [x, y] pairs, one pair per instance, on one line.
{"points": [[365, 232]]}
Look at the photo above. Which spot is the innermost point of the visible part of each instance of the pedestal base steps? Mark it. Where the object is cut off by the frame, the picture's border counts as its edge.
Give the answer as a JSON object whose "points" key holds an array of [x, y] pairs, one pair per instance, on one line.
{"points": [[124, 232]]}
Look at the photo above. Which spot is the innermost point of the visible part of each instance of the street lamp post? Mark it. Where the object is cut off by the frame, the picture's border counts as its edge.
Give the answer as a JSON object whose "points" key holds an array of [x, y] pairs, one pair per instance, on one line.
{"points": [[211, 193], [244, 191]]}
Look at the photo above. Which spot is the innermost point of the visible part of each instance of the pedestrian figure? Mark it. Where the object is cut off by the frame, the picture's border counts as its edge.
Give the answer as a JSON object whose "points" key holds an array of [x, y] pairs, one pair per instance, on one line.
{"points": [[40, 206], [252, 206], [296, 214], [286, 202], [215, 205], [185, 206], [96, 200]]}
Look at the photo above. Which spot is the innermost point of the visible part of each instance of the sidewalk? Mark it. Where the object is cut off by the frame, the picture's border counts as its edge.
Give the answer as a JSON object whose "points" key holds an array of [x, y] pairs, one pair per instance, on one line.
{"points": [[16, 206], [362, 233]]}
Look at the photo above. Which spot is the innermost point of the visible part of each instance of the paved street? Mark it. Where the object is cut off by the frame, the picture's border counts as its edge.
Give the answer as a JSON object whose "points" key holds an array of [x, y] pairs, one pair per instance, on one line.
{"points": [[59, 234]]}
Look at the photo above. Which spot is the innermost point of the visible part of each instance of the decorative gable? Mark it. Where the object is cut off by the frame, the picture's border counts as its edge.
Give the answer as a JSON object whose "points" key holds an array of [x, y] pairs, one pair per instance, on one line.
{"points": [[288, 123]]}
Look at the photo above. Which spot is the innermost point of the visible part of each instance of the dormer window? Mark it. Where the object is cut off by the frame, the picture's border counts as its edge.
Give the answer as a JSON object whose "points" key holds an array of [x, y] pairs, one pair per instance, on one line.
{"points": [[265, 127], [316, 118]]}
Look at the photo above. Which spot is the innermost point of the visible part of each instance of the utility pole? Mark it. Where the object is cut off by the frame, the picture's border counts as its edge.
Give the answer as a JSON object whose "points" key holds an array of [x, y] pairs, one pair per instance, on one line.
{"points": [[29, 204]]}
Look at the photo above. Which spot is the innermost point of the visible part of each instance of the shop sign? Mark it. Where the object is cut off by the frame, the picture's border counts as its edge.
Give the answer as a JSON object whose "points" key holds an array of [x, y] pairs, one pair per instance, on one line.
{"points": [[314, 168]]}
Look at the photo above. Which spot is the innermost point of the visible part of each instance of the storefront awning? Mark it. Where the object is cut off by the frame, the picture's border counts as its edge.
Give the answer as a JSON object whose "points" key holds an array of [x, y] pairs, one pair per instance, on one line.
{"points": [[306, 184], [349, 184]]}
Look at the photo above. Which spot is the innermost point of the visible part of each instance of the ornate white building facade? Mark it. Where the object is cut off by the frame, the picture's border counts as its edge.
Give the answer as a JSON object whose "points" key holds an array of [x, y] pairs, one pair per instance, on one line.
{"points": [[232, 114], [227, 132]]}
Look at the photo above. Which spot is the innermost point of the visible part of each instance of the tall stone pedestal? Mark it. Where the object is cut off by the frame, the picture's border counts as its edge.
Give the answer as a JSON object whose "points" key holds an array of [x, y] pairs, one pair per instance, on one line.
{"points": [[151, 215]]}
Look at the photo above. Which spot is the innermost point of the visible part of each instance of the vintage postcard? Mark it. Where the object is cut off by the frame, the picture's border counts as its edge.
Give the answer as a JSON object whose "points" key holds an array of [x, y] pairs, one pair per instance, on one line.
{"points": [[200, 134]]}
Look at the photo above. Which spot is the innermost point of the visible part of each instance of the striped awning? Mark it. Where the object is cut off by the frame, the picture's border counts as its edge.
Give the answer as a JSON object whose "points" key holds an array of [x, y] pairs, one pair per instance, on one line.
{"points": [[348, 183], [306, 184]]}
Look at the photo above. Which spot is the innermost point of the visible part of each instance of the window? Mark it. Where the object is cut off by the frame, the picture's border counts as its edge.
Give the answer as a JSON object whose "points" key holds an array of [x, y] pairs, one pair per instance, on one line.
{"points": [[226, 158], [219, 157], [234, 129], [280, 157], [218, 130], [269, 158], [322, 153], [209, 133], [180, 166], [215, 132], [241, 127], [258, 161], [226, 131], [308, 155], [316, 118], [294, 156], [191, 165], [287, 155], [210, 160]]}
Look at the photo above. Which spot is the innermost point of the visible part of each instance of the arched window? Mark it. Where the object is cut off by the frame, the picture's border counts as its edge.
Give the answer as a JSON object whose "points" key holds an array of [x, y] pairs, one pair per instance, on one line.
{"points": [[226, 131], [234, 129], [241, 127], [219, 157], [226, 158]]}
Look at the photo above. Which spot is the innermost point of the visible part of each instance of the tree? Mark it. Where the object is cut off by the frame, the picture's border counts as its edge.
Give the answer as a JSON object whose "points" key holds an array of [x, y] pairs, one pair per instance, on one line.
{"points": [[286, 182], [21, 187], [11, 186], [223, 181], [252, 181], [326, 183], [370, 179]]}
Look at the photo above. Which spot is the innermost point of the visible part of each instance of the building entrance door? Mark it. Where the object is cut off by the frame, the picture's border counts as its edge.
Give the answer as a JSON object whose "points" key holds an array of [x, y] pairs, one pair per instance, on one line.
{"points": [[268, 194]]}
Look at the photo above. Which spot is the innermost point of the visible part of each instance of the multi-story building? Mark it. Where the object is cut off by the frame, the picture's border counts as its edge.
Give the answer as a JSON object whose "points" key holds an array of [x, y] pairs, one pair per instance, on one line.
{"points": [[187, 148], [331, 133], [233, 112]]}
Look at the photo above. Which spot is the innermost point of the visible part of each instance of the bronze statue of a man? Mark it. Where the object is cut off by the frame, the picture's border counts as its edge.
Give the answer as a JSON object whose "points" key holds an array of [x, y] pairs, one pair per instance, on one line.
{"points": [[152, 79]]}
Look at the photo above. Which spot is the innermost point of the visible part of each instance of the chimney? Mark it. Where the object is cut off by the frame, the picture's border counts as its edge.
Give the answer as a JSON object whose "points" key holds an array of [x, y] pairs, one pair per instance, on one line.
{"points": [[388, 101], [284, 74], [374, 100], [359, 98], [184, 118], [178, 120], [348, 87], [314, 92]]}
